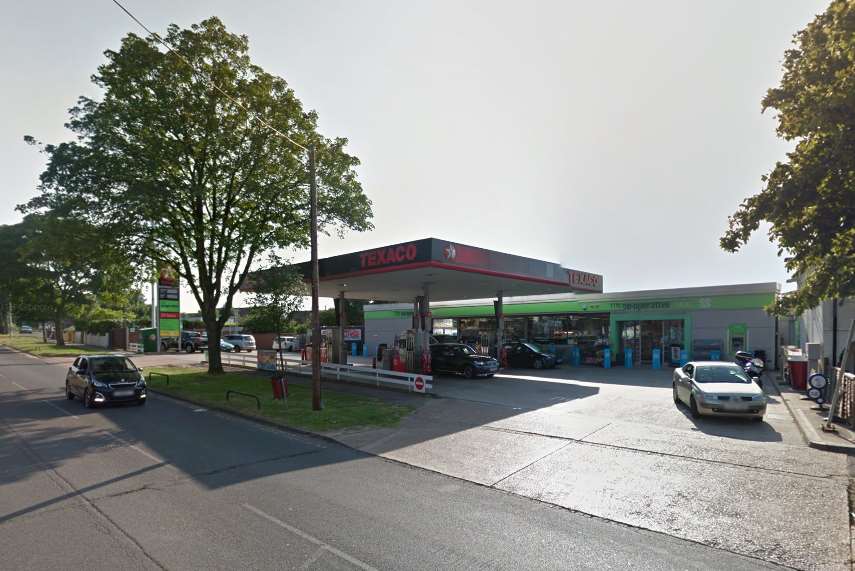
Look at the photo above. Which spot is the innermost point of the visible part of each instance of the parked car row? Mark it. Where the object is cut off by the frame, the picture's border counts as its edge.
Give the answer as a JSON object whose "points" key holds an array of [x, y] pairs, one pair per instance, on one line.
{"points": [[192, 341]]}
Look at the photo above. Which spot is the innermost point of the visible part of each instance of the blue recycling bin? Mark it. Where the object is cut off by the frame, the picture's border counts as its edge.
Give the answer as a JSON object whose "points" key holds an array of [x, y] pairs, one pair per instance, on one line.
{"points": [[657, 359], [607, 358], [575, 356], [353, 350], [715, 355], [627, 358], [365, 349], [684, 357]]}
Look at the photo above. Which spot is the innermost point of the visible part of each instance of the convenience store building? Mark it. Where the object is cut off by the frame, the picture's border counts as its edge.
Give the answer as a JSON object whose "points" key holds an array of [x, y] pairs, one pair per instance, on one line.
{"points": [[700, 321]]}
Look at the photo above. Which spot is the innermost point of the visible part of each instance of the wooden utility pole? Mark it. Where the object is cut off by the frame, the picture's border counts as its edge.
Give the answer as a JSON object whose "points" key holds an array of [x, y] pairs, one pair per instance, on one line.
{"points": [[316, 320]]}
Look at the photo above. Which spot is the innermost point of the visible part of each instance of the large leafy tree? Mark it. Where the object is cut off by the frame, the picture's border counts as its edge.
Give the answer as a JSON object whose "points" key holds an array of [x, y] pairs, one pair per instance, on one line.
{"points": [[70, 263], [809, 200], [15, 276], [174, 149]]}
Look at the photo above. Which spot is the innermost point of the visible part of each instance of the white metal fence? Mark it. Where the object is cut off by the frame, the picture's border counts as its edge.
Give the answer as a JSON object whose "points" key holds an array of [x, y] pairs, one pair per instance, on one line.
{"points": [[413, 382]]}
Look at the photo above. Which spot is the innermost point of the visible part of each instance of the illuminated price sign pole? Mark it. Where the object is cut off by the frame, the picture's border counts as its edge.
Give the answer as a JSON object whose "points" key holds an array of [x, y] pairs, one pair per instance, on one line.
{"points": [[168, 305]]}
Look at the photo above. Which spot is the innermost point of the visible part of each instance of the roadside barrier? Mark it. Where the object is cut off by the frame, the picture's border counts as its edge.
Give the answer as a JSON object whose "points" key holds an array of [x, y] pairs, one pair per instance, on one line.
{"points": [[153, 374], [413, 382], [229, 393]]}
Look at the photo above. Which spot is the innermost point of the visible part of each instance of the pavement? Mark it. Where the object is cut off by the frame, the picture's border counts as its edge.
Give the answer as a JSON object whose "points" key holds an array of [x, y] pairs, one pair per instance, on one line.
{"points": [[175, 486], [810, 418]]}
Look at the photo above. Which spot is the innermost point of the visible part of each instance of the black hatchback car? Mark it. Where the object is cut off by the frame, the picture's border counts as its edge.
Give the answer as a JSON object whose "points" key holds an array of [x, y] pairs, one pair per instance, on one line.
{"points": [[461, 359], [525, 355], [104, 379]]}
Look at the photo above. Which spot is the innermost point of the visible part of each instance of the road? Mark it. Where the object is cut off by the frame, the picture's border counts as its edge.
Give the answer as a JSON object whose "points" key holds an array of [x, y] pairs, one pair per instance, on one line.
{"points": [[174, 486]]}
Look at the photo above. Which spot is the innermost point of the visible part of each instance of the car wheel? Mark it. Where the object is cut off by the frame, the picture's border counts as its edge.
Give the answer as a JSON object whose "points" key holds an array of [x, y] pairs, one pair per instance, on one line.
{"points": [[676, 397], [538, 364], [469, 372], [89, 398], [490, 376], [189, 349], [236, 349], [68, 394], [693, 406]]}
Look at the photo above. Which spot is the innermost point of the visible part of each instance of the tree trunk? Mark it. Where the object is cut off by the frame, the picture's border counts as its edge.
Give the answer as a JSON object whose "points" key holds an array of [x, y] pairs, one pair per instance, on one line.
{"points": [[44, 333], [215, 361], [60, 340]]}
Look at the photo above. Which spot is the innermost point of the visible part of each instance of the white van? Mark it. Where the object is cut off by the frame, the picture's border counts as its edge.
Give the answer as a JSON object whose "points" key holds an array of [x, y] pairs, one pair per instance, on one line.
{"points": [[285, 343]]}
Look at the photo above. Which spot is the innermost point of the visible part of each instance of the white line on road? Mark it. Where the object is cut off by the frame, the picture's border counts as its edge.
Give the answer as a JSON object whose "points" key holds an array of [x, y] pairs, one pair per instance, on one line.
{"points": [[110, 434], [310, 538], [137, 448], [20, 386], [59, 408]]}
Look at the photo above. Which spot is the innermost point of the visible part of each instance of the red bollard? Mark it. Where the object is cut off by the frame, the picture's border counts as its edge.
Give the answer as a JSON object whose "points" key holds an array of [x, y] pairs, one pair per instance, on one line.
{"points": [[277, 388]]}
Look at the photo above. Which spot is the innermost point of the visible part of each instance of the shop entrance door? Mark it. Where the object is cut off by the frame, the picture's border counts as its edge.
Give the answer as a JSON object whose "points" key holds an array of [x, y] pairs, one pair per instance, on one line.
{"points": [[645, 335]]}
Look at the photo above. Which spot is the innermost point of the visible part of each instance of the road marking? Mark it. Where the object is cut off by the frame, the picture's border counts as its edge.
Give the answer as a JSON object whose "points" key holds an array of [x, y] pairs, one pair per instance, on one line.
{"points": [[135, 447], [110, 434], [311, 539], [20, 386], [200, 410], [59, 408]]}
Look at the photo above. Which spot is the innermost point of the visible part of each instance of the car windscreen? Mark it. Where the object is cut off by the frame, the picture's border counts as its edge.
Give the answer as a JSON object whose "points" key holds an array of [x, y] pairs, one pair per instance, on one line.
{"points": [[467, 350], [720, 374], [111, 365], [533, 346]]}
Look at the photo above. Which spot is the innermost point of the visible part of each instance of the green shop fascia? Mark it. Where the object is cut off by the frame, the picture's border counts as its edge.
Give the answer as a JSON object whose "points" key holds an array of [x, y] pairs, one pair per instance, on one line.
{"points": [[619, 310]]}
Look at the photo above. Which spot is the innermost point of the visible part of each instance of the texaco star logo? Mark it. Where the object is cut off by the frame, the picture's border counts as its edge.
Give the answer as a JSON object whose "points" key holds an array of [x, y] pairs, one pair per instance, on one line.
{"points": [[449, 252]]}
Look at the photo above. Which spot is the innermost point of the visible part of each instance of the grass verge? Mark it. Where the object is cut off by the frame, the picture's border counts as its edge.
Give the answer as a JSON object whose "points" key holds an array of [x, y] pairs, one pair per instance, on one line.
{"points": [[340, 410], [35, 346]]}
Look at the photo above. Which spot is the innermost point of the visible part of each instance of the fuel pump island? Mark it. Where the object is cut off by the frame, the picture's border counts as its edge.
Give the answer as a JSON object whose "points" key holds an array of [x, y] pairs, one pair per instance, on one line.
{"points": [[432, 269]]}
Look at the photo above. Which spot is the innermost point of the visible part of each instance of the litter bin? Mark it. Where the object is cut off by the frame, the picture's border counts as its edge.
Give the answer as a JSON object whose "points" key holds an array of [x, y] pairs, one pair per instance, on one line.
{"points": [[797, 364], [148, 337]]}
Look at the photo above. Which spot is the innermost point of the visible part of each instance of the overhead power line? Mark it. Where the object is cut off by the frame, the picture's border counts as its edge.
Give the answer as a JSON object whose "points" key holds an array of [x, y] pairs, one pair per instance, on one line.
{"points": [[209, 80]]}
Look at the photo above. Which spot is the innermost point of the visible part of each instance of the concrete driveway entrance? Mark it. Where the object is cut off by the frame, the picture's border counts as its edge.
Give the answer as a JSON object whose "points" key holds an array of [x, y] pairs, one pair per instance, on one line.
{"points": [[612, 443]]}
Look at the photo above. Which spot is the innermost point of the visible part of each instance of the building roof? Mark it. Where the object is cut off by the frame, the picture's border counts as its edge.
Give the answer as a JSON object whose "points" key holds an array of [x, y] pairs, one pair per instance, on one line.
{"points": [[754, 294], [449, 271]]}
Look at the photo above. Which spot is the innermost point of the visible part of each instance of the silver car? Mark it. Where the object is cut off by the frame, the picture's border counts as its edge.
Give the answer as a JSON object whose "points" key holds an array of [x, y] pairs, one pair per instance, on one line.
{"points": [[718, 389], [240, 342]]}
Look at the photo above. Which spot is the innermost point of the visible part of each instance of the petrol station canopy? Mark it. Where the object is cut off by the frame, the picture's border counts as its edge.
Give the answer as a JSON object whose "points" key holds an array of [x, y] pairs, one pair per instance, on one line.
{"points": [[447, 270]]}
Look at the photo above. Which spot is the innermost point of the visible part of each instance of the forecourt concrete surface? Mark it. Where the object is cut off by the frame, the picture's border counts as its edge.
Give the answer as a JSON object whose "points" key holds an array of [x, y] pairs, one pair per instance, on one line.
{"points": [[611, 443], [173, 486]]}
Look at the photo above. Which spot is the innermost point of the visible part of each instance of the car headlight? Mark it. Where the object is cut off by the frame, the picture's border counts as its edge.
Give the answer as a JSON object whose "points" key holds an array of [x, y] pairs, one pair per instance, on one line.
{"points": [[98, 384], [709, 398], [758, 398], [141, 384]]}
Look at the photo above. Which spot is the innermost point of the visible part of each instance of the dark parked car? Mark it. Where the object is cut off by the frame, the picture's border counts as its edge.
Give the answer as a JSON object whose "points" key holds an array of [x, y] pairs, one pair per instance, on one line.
{"points": [[192, 341], [524, 355], [104, 379], [461, 359]]}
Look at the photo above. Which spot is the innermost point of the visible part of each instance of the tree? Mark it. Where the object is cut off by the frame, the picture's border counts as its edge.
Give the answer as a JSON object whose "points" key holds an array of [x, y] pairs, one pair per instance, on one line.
{"points": [[69, 263], [809, 200], [14, 272], [197, 180], [277, 291]]}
